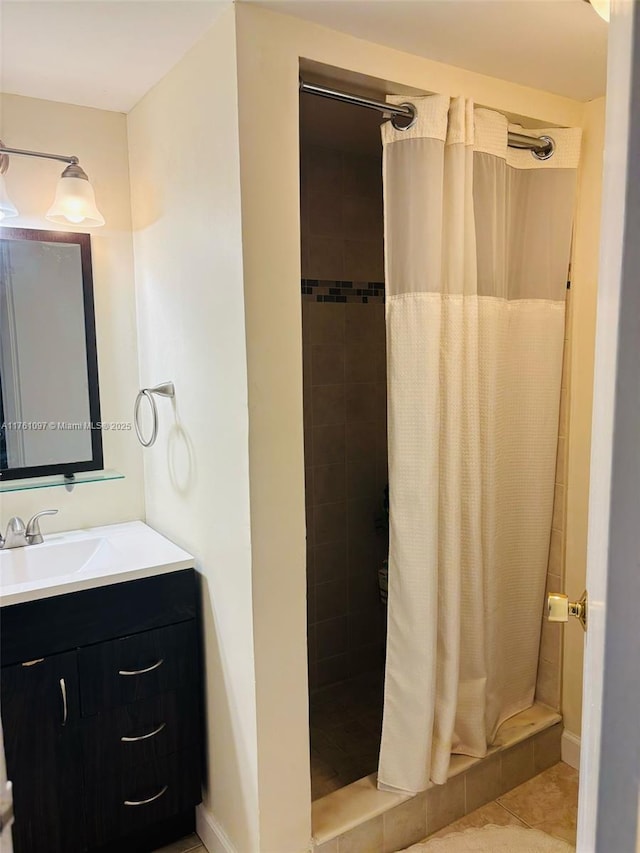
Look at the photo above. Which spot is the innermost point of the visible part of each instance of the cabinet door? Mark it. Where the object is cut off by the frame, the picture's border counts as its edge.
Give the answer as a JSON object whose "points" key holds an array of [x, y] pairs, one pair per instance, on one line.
{"points": [[40, 712]]}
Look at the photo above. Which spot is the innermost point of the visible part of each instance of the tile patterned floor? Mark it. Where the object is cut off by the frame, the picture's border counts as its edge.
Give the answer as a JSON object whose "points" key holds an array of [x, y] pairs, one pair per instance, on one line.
{"points": [[190, 844], [548, 802], [345, 726]]}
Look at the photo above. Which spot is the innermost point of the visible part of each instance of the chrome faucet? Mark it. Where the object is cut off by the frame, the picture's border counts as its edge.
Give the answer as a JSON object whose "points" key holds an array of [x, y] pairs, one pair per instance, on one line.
{"points": [[18, 536]]}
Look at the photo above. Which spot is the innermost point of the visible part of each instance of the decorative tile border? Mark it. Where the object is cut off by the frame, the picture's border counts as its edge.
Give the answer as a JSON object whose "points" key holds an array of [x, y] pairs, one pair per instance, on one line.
{"points": [[320, 290]]}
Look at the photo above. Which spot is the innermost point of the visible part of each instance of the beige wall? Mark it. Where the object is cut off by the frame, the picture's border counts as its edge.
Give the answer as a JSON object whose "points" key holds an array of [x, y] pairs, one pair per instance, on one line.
{"points": [[185, 183], [99, 139], [269, 51], [549, 681], [583, 319]]}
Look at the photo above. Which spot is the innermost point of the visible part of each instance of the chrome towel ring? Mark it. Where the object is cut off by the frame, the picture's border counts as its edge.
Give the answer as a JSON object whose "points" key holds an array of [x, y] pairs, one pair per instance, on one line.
{"points": [[165, 389]]}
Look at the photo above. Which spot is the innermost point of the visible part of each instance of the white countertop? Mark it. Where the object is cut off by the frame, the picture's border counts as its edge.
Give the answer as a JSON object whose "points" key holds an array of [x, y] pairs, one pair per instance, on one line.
{"points": [[85, 559]]}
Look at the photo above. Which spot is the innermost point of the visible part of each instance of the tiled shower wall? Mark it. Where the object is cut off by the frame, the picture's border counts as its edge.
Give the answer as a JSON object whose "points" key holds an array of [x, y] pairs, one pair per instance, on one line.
{"points": [[549, 683], [341, 215], [344, 409]]}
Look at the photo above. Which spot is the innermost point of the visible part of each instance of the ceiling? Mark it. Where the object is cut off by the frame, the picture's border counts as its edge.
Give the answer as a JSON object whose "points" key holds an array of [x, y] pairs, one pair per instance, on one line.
{"points": [[108, 53], [96, 53]]}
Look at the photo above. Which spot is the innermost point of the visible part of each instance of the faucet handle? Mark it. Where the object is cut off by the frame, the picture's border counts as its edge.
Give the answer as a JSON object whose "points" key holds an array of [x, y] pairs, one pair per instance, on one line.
{"points": [[16, 533], [32, 533]]}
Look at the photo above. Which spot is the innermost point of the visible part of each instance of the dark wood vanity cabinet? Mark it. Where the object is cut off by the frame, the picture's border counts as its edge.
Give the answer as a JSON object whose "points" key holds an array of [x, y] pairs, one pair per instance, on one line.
{"points": [[40, 712], [103, 740]]}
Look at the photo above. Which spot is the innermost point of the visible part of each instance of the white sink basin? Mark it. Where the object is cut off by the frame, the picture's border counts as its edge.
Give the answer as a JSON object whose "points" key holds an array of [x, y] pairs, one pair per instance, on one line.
{"points": [[49, 560], [81, 559]]}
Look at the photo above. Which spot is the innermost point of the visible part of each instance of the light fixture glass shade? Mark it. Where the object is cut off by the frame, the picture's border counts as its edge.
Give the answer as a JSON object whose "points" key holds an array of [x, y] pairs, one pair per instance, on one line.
{"points": [[7, 207], [75, 202], [603, 8]]}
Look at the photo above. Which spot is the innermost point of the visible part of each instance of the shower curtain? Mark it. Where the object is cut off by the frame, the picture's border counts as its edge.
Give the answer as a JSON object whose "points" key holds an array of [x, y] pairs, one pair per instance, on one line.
{"points": [[477, 241]]}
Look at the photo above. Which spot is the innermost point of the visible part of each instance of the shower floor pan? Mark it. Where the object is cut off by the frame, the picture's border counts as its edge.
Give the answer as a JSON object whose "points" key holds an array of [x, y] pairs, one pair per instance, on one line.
{"points": [[526, 744]]}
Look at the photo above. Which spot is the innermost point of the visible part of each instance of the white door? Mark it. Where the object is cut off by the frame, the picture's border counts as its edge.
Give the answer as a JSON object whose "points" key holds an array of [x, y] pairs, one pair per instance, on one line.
{"points": [[610, 755]]}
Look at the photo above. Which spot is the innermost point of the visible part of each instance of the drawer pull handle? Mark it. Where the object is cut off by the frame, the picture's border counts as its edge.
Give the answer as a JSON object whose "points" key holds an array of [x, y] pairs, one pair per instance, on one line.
{"points": [[146, 802], [63, 691], [143, 737], [141, 671]]}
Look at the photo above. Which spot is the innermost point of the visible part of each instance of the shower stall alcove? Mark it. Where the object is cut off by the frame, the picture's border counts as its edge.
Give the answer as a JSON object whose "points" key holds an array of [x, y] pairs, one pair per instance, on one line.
{"points": [[343, 294], [344, 382]]}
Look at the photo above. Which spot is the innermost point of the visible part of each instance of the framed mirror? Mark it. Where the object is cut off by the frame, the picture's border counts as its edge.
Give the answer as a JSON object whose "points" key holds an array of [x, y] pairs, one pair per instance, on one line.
{"points": [[49, 394]]}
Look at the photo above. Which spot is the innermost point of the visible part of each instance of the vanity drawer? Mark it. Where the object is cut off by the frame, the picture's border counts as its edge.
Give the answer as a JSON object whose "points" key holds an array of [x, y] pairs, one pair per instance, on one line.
{"points": [[127, 670], [141, 796], [116, 741]]}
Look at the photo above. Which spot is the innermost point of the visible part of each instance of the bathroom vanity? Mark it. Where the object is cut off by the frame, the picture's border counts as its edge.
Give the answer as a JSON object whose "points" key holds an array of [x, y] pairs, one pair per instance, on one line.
{"points": [[101, 691]]}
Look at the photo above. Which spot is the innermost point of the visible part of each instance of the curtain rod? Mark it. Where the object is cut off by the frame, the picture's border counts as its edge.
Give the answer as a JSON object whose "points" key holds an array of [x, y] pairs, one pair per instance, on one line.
{"points": [[403, 116]]}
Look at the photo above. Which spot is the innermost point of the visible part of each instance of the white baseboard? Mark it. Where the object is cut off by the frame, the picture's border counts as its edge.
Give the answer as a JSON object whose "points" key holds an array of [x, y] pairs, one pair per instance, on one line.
{"points": [[211, 833], [570, 749]]}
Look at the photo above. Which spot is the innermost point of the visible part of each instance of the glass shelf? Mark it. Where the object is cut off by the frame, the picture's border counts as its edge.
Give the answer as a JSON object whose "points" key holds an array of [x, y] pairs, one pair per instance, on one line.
{"points": [[59, 480]]}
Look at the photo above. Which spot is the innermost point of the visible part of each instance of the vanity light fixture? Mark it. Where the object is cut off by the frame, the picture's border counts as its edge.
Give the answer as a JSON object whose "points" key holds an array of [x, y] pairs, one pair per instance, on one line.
{"points": [[74, 202]]}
